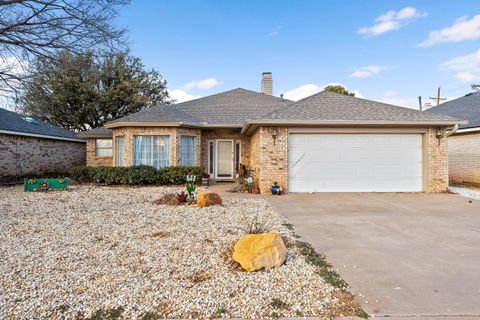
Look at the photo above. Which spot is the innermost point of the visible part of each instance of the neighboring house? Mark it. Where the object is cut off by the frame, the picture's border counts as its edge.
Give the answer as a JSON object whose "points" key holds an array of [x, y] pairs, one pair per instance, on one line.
{"points": [[464, 144], [325, 142], [31, 147]]}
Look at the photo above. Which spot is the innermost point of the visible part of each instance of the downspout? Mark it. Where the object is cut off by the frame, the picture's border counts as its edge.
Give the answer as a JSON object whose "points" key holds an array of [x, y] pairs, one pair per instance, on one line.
{"points": [[455, 129], [448, 134]]}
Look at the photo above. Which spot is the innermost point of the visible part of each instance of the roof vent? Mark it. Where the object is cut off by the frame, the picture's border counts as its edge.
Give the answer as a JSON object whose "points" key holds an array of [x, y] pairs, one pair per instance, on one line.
{"points": [[30, 120]]}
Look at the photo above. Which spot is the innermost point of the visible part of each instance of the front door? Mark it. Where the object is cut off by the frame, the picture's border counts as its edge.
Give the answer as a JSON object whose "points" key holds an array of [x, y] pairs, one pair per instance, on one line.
{"points": [[224, 159]]}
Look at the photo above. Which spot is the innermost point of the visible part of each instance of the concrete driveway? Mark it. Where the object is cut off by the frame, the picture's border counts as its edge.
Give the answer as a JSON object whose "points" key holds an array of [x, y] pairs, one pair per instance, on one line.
{"points": [[403, 254]]}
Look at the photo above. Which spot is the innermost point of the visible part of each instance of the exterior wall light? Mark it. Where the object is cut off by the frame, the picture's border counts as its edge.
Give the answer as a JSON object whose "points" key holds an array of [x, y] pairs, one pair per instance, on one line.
{"points": [[274, 135]]}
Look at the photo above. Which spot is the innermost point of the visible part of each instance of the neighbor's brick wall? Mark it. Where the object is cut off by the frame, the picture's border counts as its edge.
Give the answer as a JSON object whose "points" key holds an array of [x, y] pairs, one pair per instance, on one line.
{"points": [[464, 157], [93, 160], [269, 160], [174, 132], [435, 168], [234, 134], [39, 155]]}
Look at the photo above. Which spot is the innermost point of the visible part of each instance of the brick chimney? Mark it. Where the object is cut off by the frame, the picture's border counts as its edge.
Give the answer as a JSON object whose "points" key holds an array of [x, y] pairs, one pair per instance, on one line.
{"points": [[267, 83]]}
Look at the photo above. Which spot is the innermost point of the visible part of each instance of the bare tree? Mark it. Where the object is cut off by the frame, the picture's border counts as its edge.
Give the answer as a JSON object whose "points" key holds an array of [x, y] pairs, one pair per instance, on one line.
{"points": [[39, 28]]}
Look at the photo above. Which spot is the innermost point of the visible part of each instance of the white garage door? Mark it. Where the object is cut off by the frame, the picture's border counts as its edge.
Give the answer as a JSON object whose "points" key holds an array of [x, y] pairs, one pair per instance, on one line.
{"points": [[355, 162]]}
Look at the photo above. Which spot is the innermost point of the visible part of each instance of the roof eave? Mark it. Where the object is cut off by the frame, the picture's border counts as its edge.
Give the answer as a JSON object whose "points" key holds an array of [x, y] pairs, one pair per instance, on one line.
{"points": [[251, 125], [43, 136], [119, 124]]}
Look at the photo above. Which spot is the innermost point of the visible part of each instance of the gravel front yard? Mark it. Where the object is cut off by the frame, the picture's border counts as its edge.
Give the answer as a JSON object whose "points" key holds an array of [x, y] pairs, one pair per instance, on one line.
{"points": [[110, 249]]}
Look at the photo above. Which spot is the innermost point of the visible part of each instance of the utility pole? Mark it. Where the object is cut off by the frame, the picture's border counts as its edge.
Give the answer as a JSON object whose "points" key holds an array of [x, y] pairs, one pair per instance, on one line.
{"points": [[437, 98]]}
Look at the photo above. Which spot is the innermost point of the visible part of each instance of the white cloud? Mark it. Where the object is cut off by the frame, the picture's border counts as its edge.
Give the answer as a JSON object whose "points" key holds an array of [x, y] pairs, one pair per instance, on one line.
{"points": [[307, 90], [302, 92], [391, 98], [466, 68], [367, 71], [181, 95], [202, 84], [391, 20], [462, 29]]}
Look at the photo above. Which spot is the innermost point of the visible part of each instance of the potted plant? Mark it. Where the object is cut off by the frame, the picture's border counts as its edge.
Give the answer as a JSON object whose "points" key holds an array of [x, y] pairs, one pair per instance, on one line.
{"points": [[276, 189], [205, 179]]}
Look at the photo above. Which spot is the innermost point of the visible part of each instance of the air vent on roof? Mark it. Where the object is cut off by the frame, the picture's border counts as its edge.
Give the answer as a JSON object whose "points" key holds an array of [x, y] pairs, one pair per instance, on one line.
{"points": [[30, 120]]}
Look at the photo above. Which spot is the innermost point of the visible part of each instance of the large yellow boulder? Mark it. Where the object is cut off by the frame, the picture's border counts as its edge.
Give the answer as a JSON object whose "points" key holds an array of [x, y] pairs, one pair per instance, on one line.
{"points": [[257, 251], [206, 199]]}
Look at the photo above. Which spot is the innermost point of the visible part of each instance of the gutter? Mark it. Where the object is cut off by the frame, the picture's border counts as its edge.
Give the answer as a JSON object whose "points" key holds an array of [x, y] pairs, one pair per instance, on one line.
{"points": [[249, 124], [43, 136]]}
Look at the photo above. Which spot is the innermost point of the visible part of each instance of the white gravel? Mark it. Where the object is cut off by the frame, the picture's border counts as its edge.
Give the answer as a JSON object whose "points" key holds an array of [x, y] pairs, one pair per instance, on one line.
{"points": [[68, 254]]}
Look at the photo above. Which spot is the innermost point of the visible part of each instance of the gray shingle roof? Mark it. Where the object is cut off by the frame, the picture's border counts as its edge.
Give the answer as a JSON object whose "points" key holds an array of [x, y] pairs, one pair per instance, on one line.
{"points": [[14, 122], [338, 107], [465, 108], [96, 133], [227, 108]]}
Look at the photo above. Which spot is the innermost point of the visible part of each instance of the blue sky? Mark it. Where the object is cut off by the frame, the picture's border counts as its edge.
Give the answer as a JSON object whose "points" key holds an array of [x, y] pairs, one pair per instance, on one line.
{"points": [[391, 51]]}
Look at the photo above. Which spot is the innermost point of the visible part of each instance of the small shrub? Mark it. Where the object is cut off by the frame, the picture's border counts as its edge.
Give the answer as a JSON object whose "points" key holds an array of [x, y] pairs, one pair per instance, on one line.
{"points": [[160, 234], [110, 314], [256, 226], [199, 276], [220, 312], [169, 199], [279, 304], [182, 197]]}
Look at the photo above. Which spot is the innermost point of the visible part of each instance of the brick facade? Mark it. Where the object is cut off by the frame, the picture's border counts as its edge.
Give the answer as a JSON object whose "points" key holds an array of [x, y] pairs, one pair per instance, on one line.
{"points": [[435, 161], [174, 133], [464, 157], [92, 159], [268, 159], [39, 156], [233, 134]]}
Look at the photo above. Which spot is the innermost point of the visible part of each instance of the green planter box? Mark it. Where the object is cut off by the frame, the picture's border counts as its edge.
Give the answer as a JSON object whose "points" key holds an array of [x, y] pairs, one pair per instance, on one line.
{"points": [[36, 184]]}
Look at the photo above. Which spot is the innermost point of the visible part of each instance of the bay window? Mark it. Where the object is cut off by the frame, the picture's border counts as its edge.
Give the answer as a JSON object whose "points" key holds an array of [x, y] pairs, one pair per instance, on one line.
{"points": [[151, 151], [187, 151]]}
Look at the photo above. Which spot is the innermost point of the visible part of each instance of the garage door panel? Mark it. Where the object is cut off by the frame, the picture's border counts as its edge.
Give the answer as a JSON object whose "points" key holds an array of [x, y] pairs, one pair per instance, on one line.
{"points": [[355, 162]]}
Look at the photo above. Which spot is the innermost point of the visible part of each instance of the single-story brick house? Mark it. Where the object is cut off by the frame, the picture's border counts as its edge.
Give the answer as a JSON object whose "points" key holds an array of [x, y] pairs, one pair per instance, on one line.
{"points": [[325, 142], [464, 144], [31, 147]]}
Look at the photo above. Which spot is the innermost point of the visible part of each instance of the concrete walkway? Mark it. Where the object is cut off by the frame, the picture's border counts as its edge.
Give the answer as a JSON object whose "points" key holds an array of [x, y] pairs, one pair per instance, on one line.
{"points": [[404, 255]]}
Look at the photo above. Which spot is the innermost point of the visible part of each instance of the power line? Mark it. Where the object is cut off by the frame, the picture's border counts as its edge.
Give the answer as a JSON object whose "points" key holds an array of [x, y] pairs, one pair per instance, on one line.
{"points": [[438, 98]]}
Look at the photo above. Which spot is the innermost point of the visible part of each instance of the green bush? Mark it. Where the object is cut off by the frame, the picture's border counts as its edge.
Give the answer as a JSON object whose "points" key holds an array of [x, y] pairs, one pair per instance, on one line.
{"points": [[134, 175]]}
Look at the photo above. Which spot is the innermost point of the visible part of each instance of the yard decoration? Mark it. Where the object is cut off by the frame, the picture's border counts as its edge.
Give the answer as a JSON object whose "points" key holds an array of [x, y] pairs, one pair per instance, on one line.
{"points": [[191, 187], [257, 251], [206, 179], [206, 199], [44, 184], [276, 189]]}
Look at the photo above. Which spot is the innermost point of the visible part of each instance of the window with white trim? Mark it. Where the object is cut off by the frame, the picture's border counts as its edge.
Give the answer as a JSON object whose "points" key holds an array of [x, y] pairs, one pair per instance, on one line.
{"points": [[119, 151], [187, 151], [211, 157], [151, 151], [103, 147]]}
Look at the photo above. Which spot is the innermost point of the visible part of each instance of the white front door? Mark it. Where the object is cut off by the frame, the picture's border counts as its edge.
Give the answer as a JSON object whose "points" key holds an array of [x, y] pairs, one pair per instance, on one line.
{"points": [[355, 162], [224, 159]]}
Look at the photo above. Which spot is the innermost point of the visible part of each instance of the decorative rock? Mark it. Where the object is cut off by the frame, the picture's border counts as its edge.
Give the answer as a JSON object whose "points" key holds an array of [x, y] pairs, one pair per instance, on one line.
{"points": [[257, 251], [206, 199]]}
